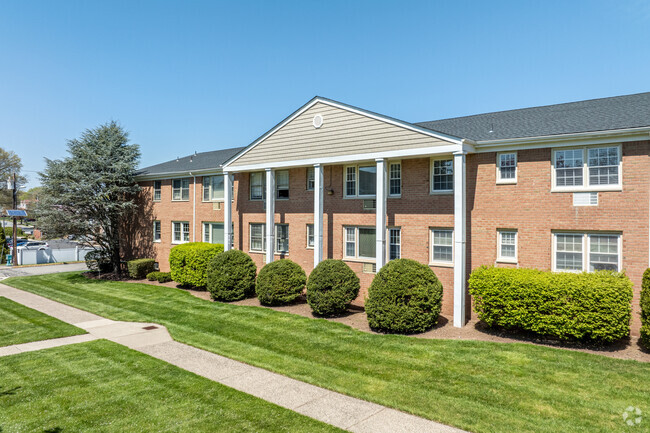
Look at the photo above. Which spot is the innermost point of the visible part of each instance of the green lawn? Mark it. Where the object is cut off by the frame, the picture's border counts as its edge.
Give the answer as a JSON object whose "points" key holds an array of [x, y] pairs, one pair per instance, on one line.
{"points": [[478, 386], [104, 387], [19, 324]]}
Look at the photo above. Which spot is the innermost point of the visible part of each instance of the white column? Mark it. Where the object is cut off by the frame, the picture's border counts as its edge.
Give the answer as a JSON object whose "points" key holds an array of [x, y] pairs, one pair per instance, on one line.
{"points": [[460, 225], [318, 214], [270, 214], [380, 232], [227, 211]]}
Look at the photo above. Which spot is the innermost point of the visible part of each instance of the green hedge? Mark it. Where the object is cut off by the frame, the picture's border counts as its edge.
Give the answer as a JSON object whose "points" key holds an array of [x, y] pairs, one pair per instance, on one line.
{"points": [[280, 282], [231, 276], [161, 277], [645, 309], [139, 268], [583, 306], [405, 297], [189, 262], [9, 231], [331, 286]]}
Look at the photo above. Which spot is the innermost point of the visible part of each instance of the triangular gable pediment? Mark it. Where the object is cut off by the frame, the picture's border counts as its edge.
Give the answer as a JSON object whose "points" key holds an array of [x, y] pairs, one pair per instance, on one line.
{"points": [[326, 129]]}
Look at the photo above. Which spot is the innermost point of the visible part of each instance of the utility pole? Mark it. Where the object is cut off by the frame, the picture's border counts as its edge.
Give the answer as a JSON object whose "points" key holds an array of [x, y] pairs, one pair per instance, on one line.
{"points": [[14, 256]]}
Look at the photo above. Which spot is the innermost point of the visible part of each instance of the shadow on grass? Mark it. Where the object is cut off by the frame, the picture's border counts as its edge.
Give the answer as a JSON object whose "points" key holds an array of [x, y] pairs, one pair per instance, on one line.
{"points": [[10, 391]]}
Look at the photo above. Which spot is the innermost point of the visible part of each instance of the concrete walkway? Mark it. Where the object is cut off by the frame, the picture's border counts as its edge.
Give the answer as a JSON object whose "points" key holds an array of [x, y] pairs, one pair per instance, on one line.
{"points": [[21, 271], [345, 412]]}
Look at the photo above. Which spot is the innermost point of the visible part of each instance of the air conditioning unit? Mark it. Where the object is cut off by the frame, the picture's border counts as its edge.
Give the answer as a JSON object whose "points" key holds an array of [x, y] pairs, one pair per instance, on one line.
{"points": [[370, 204], [585, 199], [369, 268], [217, 205]]}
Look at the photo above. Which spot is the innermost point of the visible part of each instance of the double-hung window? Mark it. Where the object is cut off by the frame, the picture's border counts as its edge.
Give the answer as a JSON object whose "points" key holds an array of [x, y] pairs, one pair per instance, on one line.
{"points": [[180, 189], [156, 231], [442, 246], [394, 243], [282, 184], [258, 185], [395, 179], [360, 242], [213, 233], [157, 190], [587, 168], [361, 180], [507, 246], [310, 178], [180, 232], [310, 236], [442, 175], [213, 188], [258, 234], [576, 252], [507, 167]]}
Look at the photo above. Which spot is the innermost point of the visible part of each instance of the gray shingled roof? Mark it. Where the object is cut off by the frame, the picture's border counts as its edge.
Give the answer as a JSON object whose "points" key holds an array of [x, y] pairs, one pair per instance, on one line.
{"points": [[199, 161], [619, 112]]}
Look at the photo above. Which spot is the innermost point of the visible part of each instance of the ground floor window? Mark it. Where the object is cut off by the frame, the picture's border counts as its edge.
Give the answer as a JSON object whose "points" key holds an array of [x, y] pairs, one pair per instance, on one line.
{"points": [[394, 243], [442, 245], [310, 236], [507, 245], [360, 242], [180, 232], [156, 231], [258, 233], [213, 233], [576, 252]]}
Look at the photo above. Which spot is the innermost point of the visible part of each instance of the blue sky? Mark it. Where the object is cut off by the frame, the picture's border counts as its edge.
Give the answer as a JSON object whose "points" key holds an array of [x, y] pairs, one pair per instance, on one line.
{"points": [[185, 76]]}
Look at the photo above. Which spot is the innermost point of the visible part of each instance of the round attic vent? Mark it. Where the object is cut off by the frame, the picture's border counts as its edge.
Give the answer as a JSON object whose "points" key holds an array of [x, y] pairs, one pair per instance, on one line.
{"points": [[318, 121]]}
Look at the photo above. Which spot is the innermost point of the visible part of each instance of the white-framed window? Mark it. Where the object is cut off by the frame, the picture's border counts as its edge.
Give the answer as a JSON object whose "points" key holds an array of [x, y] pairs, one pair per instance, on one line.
{"points": [[360, 242], [310, 236], [157, 190], [395, 179], [591, 251], [180, 232], [442, 245], [157, 231], [282, 184], [213, 233], [442, 175], [507, 246], [258, 241], [361, 180], [596, 168], [507, 167], [180, 189], [213, 188], [282, 238], [394, 243], [310, 178], [257, 185]]}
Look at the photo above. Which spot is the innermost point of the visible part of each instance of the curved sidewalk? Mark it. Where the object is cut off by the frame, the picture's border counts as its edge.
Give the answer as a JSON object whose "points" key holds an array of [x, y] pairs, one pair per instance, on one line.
{"points": [[345, 412]]}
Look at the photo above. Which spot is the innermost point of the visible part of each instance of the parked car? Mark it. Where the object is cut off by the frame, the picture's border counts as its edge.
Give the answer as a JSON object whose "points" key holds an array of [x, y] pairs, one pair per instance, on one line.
{"points": [[34, 245], [21, 241]]}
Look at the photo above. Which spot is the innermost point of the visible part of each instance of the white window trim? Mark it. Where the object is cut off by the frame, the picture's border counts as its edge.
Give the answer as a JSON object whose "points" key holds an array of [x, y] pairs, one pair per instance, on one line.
{"points": [[307, 238], [356, 183], [313, 170], [188, 189], [440, 191], [203, 223], [453, 248], [508, 181], [277, 189], [501, 259], [275, 240], [401, 177], [585, 171], [356, 257], [586, 246], [154, 191], [154, 231], [250, 186], [175, 242], [210, 189], [388, 244]]}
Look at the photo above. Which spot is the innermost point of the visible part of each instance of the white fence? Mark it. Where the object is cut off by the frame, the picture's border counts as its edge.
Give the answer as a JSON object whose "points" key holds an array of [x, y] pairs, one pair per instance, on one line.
{"points": [[52, 255]]}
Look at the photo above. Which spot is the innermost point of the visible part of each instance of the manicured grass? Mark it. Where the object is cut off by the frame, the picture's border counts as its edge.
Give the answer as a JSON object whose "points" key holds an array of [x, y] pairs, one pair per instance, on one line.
{"points": [[19, 324], [104, 387], [478, 386]]}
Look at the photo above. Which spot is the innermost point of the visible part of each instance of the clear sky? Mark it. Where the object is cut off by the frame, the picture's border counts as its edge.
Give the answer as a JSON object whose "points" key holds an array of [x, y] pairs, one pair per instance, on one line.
{"points": [[185, 76]]}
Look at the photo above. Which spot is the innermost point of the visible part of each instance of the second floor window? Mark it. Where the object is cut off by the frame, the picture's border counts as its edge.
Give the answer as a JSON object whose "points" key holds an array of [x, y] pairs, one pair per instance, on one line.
{"points": [[180, 189], [157, 190], [361, 181], [258, 184], [310, 178], [395, 179], [590, 168], [213, 188], [282, 184], [507, 167], [442, 175]]}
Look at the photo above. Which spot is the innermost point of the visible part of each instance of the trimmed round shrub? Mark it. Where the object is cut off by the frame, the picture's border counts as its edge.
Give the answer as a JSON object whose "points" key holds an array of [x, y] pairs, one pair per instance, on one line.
{"points": [[231, 276], [594, 306], [405, 297], [161, 277], [331, 286], [152, 276], [189, 262], [140, 268], [645, 310], [280, 282]]}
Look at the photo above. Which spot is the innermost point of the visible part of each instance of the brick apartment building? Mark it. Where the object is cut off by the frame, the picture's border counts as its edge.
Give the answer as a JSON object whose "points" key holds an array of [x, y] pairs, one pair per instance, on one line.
{"points": [[563, 187]]}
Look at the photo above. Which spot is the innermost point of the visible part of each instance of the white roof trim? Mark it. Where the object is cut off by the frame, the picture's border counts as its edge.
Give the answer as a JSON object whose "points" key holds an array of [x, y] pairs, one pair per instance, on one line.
{"points": [[359, 111]]}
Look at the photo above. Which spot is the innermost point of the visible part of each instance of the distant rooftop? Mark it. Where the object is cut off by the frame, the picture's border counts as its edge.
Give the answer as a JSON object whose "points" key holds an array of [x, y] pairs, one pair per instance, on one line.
{"points": [[604, 114], [198, 161]]}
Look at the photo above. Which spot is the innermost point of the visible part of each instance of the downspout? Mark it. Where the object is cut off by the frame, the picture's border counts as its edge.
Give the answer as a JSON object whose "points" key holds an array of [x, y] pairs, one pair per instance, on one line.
{"points": [[193, 209]]}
